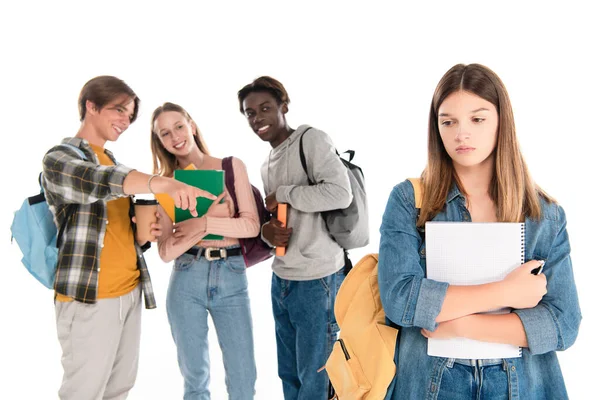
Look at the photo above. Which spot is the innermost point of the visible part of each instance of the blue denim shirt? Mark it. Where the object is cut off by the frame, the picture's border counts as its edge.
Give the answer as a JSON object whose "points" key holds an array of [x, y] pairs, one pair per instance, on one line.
{"points": [[414, 302]]}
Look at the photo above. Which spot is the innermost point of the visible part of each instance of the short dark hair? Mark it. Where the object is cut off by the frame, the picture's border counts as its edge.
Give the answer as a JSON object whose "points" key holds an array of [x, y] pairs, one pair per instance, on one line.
{"points": [[264, 84], [101, 90]]}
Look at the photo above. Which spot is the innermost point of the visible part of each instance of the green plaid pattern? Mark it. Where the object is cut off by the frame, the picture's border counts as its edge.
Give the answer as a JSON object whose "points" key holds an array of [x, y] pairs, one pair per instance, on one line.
{"points": [[68, 179]]}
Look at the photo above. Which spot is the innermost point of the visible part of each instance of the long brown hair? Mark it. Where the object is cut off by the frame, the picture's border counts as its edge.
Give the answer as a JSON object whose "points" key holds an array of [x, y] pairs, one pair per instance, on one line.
{"points": [[512, 189], [165, 163]]}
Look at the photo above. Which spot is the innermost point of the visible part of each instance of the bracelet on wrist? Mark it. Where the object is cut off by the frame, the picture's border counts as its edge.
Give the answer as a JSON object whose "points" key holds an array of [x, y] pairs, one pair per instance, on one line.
{"points": [[150, 181]]}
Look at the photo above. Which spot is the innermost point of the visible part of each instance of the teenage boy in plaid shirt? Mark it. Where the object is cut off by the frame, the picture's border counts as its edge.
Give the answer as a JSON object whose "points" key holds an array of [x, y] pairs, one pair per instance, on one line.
{"points": [[101, 271]]}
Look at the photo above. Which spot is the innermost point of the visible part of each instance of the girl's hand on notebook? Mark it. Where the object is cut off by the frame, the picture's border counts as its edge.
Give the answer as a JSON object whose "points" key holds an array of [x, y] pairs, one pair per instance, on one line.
{"points": [[522, 289], [189, 227], [221, 210]]}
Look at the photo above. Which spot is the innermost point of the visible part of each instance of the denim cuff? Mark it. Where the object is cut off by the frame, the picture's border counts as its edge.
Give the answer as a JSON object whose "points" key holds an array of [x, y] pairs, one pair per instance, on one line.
{"points": [[539, 328], [429, 303]]}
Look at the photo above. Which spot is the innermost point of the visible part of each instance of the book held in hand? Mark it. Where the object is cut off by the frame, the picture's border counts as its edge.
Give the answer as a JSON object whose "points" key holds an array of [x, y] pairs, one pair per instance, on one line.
{"points": [[469, 253]]}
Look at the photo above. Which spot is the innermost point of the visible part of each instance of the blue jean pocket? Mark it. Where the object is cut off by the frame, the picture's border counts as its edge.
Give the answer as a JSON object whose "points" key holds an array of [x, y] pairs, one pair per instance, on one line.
{"points": [[333, 281], [236, 264], [183, 262], [325, 284], [462, 382]]}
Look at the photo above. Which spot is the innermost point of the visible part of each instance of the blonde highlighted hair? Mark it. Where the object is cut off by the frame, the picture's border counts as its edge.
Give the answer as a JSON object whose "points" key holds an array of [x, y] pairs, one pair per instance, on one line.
{"points": [[512, 189], [165, 163]]}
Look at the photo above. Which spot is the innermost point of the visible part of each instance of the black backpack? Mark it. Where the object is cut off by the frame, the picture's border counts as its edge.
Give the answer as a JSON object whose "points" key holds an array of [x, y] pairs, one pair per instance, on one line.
{"points": [[349, 226]]}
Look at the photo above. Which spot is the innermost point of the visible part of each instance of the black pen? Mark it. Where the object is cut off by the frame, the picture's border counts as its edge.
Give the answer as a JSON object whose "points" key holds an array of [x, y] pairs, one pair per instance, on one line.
{"points": [[538, 270]]}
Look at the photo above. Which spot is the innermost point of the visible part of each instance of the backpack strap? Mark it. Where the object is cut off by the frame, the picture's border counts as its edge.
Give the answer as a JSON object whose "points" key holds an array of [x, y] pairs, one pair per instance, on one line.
{"points": [[303, 157], [417, 184], [418, 189], [76, 149], [227, 164], [350, 153]]}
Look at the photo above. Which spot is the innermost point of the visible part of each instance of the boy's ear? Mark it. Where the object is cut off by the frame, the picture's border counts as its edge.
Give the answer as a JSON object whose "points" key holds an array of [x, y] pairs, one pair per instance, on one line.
{"points": [[284, 108], [90, 107]]}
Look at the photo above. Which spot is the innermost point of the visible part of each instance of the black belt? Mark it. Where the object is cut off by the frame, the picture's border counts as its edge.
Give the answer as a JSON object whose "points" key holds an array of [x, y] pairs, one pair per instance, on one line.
{"points": [[214, 253]]}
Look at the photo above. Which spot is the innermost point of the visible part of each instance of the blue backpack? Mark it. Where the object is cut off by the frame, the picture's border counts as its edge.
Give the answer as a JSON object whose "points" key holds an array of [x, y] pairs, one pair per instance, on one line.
{"points": [[34, 230]]}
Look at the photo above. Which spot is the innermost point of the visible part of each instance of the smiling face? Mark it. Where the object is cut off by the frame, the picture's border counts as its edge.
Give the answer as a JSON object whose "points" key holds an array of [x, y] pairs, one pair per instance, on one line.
{"points": [[468, 127], [175, 132], [113, 119], [265, 116]]}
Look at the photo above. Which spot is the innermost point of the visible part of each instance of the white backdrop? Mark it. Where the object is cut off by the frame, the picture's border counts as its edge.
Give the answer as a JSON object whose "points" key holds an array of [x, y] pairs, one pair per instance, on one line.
{"points": [[363, 73]]}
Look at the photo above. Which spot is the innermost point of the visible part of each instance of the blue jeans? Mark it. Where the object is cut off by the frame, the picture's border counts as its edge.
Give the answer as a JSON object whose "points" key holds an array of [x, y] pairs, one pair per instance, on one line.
{"points": [[199, 287], [305, 329], [476, 381]]}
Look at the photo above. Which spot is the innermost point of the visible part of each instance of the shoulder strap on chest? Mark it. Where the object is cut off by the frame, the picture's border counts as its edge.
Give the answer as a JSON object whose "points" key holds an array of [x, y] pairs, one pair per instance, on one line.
{"points": [[418, 188]]}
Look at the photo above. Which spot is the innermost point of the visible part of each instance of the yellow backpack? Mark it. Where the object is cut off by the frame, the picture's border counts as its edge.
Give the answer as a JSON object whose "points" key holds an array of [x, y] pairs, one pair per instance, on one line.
{"points": [[361, 365]]}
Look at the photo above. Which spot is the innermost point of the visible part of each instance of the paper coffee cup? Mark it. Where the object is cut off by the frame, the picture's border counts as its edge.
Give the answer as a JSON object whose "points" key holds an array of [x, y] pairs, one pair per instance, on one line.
{"points": [[145, 216]]}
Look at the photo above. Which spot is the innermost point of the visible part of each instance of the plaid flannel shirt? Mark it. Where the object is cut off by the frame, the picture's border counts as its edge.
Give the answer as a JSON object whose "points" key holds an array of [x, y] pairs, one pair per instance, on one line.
{"points": [[67, 179]]}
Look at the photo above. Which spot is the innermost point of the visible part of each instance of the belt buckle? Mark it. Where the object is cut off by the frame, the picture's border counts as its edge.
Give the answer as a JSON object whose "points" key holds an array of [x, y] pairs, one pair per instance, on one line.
{"points": [[222, 253]]}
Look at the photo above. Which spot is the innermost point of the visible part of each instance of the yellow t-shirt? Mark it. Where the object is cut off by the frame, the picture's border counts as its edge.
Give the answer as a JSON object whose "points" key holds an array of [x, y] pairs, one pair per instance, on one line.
{"points": [[118, 273]]}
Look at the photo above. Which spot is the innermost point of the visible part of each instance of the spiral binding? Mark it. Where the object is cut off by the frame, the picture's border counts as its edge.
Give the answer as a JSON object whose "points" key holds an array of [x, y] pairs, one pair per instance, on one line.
{"points": [[522, 262], [522, 243]]}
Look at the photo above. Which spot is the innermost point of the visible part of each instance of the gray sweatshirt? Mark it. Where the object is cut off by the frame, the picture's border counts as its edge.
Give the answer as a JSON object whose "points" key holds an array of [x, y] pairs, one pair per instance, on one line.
{"points": [[311, 252]]}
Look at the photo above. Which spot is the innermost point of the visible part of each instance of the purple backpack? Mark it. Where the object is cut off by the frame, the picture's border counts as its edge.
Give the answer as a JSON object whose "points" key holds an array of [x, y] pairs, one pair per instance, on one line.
{"points": [[254, 249]]}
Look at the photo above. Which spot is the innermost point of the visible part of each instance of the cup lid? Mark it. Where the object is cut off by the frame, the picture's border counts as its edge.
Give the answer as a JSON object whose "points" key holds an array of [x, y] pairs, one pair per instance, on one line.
{"points": [[146, 202]]}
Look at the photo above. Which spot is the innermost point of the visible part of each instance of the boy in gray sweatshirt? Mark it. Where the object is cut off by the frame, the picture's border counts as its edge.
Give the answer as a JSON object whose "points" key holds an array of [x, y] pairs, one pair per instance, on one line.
{"points": [[306, 280]]}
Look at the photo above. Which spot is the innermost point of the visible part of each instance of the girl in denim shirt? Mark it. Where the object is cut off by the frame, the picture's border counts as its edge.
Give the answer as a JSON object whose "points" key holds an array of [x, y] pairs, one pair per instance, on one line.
{"points": [[475, 172]]}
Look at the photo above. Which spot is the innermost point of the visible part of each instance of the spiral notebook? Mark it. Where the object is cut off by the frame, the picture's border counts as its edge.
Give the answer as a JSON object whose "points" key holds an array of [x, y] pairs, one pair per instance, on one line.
{"points": [[468, 253]]}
